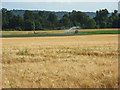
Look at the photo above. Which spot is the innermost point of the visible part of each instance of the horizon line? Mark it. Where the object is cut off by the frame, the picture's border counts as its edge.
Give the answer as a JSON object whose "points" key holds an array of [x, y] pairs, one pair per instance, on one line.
{"points": [[58, 10]]}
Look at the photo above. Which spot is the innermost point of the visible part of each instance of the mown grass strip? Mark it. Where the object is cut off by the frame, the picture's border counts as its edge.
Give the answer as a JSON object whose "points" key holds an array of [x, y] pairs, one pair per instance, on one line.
{"points": [[64, 34], [100, 32]]}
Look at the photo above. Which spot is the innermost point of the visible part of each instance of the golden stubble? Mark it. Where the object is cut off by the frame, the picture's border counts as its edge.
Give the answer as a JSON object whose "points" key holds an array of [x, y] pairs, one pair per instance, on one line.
{"points": [[89, 61]]}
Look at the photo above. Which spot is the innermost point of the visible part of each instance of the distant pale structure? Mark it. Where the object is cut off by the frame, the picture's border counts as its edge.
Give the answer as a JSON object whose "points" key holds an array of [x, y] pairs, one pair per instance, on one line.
{"points": [[119, 7]]}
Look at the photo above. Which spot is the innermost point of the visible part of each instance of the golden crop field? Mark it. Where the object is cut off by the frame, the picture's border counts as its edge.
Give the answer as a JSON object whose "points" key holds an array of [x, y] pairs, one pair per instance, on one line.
{"points": [[88, 61]]}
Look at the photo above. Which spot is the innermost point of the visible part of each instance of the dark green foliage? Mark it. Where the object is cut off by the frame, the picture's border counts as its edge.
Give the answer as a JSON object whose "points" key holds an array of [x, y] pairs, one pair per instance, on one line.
{"points": [[52, 18], [16, 22], [104, 21], [28, 15], [91, 24], [29, 25], [38, 25], [65, 21], [114, 19], [44, 20], [59, 13], [82, 20], [102, 18]]}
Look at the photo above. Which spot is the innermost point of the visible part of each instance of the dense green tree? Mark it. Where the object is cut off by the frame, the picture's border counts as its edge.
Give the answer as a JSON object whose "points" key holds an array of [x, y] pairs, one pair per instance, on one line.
{"points": [[91, 24], [47, 20], [38, 25], [65, 21], [79, 19], [17, 22], [113, 20], [43, 14], [119, 21], [52, 18], [5, 20], [29, 25], [9, 17], [102, 18], [28, 15]]}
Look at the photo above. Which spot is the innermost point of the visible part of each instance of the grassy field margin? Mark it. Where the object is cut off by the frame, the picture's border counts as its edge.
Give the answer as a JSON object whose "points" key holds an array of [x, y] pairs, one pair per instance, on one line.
{"points": [[42, 34]]}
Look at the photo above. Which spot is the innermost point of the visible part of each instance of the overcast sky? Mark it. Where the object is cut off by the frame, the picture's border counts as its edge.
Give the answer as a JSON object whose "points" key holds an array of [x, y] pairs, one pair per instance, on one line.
{"points": [[61, 5], [59, 0]]}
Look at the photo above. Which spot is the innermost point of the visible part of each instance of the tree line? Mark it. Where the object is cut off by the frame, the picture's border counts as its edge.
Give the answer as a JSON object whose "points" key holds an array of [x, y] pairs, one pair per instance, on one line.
{"points": [[44, 20]]}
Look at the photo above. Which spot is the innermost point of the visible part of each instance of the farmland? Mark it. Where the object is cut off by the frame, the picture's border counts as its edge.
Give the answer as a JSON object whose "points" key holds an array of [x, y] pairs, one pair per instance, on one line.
{"points": [[57, 32], [89, 61]]}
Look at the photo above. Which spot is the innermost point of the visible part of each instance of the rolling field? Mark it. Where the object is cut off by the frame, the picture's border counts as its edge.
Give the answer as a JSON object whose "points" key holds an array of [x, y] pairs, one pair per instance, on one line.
{"points": [[89, 61]]}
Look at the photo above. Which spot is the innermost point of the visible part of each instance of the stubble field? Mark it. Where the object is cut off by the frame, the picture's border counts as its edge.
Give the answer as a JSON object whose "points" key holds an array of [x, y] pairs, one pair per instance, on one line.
{"points": [[89, 61]]}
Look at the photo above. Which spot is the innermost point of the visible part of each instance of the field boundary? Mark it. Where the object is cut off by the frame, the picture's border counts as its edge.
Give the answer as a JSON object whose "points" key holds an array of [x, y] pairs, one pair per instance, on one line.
{"points": [[41, 34]]}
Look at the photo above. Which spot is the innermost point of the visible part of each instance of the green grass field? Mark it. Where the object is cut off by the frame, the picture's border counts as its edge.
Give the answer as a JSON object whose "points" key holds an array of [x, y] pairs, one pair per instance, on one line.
{"points": [[39, 34]]}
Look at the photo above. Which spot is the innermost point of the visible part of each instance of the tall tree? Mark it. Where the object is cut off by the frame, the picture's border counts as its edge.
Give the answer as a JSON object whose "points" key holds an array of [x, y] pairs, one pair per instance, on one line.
{"points": [[17, 22], [29, 25], [52, 18], [28, 15], [91, 24], [79, 19], [102, 18], [65, 21], [113, 20], [5, 20]]}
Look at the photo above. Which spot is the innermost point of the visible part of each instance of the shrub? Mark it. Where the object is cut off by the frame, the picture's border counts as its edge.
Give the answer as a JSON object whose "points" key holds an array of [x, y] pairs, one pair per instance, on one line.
{"points": [[22, 52]]}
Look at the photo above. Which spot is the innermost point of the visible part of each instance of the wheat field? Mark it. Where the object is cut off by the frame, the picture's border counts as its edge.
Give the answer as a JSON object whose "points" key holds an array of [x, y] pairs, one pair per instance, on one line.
{"points": [[89, 61]]}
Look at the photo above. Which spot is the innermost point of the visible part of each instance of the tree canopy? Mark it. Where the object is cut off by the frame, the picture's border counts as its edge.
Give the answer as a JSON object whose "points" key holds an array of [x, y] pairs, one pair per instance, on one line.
{"points": [[44, 20]]}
